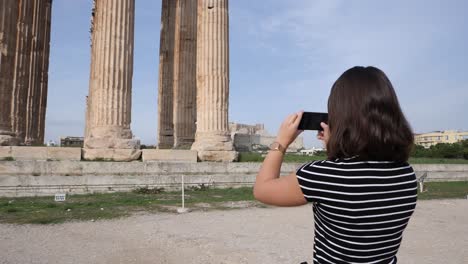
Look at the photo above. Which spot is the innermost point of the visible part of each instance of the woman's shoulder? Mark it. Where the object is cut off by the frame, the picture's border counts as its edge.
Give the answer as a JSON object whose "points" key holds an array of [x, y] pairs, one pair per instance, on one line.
{"points": [[353, 164]]}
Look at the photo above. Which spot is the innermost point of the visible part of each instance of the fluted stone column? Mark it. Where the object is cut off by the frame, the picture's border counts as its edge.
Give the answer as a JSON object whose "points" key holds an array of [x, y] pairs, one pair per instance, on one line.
{"points": [[44, 69], [22, 68], [185, 79], [38, 72], [166, 75], [109, 135], [8, 29], [213, 140], [88, 116]]}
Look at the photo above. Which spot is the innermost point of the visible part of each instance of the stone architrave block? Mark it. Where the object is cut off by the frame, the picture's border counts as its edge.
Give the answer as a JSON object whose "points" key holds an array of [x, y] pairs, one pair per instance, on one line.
{"points": [[169, 155], [40, 153], [218, 156], [29, 153], [59, 153], [111, 154]]}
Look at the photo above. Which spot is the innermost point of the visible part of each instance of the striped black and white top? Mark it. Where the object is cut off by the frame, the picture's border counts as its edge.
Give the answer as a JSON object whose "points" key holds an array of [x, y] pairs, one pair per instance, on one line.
{"points": [[361, 208]]}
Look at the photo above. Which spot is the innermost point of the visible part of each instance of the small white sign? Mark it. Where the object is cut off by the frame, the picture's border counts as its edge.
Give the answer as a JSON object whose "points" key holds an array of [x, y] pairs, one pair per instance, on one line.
{"points": [[60, 197]]}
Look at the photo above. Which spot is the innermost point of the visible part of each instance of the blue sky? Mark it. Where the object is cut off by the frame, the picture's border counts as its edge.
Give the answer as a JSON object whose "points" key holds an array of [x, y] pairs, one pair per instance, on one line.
{"points": [[285, 55]]}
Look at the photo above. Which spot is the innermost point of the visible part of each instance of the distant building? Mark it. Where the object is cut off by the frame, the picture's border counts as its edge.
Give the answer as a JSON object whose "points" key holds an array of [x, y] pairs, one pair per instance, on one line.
{"points": [[246, 129], [312, 151], [51, 143], [448, 136], [71, 142], [255, 138]]}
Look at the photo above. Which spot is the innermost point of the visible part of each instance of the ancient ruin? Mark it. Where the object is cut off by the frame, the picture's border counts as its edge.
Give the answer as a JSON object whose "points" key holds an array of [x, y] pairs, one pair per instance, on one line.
{"points": [[193, 97], [8, 29], [24, 46], [255, 138], [194, 67], [108, 134], [177, 75], [213, 139], [166, 75]]}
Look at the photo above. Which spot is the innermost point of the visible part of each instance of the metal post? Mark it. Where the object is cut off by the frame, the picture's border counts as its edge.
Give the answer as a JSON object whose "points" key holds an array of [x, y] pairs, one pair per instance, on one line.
{"points": [[421, 182], [182, 209], [183, 193]]}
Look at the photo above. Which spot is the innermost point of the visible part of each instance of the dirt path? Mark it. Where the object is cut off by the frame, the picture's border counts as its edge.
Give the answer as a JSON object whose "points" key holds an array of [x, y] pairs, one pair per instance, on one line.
{"points": [[438, 233]]}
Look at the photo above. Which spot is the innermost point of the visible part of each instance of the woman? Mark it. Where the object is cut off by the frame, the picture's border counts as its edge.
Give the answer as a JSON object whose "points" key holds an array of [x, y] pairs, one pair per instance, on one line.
{"points": [[364, 194]]}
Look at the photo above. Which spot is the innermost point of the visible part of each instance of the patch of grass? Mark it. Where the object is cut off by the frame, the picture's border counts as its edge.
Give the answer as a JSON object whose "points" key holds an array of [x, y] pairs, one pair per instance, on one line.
{"points": [[290, 158], [37, 145], [294, 158], [250, 157], [437, 161], [8, 159], [146, 190], [444, 190], [43, 210], [200, 187]]}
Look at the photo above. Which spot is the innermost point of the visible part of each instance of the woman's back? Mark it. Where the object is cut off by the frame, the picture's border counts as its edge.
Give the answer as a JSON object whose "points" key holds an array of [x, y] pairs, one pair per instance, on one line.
{"points": [[361, 208]]}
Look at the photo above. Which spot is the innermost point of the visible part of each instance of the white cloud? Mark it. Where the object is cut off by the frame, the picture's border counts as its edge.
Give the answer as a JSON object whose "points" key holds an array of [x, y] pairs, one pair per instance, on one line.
{"points": [[405, 39]]}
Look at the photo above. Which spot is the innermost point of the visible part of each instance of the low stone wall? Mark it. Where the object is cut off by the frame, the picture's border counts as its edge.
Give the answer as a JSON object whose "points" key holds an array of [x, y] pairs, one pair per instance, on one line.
{"points": [[67, 153], [31, 178], [39, 153]]}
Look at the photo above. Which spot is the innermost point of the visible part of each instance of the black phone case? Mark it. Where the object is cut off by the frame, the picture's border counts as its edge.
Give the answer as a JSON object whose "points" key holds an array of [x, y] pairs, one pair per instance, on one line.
{"points": [[312, 120]]}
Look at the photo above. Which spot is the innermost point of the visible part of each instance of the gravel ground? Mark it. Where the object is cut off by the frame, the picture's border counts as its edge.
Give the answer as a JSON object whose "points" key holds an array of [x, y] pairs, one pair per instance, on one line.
{"points": [[437, 233]]}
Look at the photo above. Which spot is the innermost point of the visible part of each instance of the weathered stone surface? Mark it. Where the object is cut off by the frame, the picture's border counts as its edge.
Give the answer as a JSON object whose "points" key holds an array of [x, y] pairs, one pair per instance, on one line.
{"points": [[28, 45], [38, 72], [207, 155], [166, 75], [213, 137], [108, 134], [28, 178], [213, 141], [29, 153], [22, 68], [111, 137], [40, 153], [169, 155], [5, 152], [44, 70], [111, 154], [185, 74], [8, 139], [61, 153], [8, 30]]}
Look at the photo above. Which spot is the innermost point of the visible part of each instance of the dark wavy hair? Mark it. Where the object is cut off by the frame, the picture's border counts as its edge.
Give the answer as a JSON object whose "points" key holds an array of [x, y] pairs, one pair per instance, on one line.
{"points": [[365, 118]]}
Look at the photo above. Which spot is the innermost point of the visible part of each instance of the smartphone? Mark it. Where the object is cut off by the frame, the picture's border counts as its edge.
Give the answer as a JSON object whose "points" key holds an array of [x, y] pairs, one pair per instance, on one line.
{"points": [[312, 120]]}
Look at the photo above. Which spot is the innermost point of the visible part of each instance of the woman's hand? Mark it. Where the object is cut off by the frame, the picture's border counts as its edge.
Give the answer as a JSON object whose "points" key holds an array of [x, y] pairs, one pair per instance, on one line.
{"points": [[325, 134], [288, 131], [269, 187]]}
